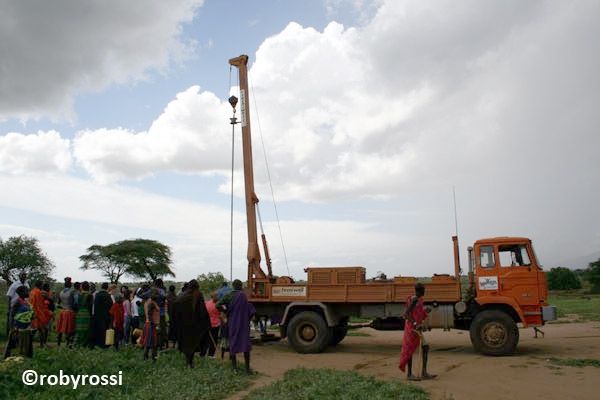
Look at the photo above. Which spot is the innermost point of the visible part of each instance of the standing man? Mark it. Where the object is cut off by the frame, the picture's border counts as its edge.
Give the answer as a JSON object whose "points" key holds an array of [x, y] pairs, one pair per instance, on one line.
{"points": [[102, 304], [12, 296], [239, 313], [192, 321], [66, 318], [414, 316]]}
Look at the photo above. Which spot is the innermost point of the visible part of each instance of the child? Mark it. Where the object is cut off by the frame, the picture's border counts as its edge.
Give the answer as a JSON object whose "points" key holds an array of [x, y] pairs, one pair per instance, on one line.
{"points": [[149, 337], [117, 315]]}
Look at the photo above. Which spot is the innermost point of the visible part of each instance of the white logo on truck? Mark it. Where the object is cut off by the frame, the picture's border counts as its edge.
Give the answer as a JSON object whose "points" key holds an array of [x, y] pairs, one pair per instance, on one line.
{"points": [[289, 291], [488, 283]]}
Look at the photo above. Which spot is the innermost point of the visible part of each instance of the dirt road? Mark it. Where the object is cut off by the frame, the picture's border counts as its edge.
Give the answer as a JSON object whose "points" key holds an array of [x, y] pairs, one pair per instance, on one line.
{"points": [[463, 374]]}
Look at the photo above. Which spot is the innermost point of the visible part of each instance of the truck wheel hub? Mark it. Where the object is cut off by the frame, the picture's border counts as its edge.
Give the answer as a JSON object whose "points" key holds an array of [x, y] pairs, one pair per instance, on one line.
{"points": [[308, 333], [494, 334]]}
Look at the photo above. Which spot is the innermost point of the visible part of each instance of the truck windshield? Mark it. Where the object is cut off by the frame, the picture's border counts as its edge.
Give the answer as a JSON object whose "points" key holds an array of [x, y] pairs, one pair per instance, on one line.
{"points": [[514, 255]]}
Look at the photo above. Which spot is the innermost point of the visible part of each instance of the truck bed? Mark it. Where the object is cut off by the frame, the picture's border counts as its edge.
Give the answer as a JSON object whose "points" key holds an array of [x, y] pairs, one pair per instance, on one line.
{"points": [[443, 291]]}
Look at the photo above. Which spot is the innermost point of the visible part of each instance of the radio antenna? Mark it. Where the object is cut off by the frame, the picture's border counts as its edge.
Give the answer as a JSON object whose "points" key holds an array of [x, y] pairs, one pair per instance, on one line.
{"points": [[455, 214]]}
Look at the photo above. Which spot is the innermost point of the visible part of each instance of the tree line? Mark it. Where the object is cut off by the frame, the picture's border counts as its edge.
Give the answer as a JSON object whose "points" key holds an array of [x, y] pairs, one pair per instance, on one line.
{"points": [[142, 259], [561, 278]]}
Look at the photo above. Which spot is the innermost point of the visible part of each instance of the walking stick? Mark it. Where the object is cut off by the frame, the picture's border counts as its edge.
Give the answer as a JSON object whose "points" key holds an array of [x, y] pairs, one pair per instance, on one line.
{"points": [[212, 340], [420, 352]]}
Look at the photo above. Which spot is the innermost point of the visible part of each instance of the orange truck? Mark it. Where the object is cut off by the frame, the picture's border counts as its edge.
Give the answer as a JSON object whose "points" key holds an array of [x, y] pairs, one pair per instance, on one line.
{"points": [[506, 289]]}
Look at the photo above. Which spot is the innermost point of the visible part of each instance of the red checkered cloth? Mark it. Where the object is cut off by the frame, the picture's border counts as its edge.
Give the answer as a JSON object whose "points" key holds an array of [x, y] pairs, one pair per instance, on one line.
{"points": [[66, 322]]}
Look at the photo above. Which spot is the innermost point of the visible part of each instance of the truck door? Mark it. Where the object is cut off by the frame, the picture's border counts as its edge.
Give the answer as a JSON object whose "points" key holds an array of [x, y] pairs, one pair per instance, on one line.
{"points": [[487, 282], [517, 278]]}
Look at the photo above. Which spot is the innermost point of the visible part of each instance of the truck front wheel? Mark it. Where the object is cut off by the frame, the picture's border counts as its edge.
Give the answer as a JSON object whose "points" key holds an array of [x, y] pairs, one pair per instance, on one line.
{"points": [[494, 333], [307, 332]]}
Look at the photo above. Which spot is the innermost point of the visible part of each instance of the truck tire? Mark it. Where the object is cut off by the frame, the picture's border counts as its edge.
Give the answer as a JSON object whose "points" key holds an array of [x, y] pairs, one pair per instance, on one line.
{"points": [[308, 332], [494, 333]]}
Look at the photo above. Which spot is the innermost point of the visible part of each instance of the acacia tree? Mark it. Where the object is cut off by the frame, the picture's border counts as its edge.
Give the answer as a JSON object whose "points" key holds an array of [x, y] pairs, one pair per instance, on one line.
{"points": [[104, 259], [23, 254], [143, 258]]}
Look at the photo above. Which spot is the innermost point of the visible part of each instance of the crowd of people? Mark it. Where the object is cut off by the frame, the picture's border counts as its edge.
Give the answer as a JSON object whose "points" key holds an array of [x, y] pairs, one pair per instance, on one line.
{"points": [[151, 317], [154, 318]]}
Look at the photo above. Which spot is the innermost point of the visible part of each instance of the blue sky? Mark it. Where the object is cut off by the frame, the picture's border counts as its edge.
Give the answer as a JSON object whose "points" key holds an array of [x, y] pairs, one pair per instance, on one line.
{"points": [[114, 125]]}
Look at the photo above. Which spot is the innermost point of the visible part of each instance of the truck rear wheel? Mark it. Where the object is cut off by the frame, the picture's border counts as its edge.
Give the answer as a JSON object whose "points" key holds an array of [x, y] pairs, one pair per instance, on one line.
{"points": [[494, 333], [308, 332]]}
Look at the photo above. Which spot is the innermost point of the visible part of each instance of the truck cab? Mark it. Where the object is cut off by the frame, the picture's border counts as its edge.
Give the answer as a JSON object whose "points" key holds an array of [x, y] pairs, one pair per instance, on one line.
{"points": [[505, 278]]}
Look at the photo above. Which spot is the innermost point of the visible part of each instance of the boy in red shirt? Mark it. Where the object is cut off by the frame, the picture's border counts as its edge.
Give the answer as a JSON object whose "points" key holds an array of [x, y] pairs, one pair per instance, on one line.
{"points": [[118, 318]]}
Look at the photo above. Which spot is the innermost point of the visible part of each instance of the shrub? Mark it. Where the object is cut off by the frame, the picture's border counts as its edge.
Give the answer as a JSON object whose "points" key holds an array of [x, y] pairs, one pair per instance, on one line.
{"points": [[560, 278]]}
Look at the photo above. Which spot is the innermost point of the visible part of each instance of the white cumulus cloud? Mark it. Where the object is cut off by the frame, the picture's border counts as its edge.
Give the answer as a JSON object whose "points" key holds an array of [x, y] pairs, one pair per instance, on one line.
{"points": [[188, 137], [44, 152]]}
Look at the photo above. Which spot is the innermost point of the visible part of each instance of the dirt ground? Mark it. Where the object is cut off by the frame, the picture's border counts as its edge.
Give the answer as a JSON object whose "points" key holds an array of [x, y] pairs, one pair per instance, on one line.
{"points": [[463, 374]]}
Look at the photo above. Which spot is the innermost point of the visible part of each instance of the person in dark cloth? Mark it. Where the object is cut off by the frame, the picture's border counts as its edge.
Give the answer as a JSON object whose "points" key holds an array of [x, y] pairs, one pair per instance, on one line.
{"points": [[192, 321], [239, 312], [102, 305], [171, 298]]}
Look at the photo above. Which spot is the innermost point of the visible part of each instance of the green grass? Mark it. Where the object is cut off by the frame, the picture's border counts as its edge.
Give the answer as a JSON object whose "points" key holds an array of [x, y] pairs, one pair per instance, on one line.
{"points": [[587, 307], [325, 384], [359, 320], [357, 333], [168, 378], [576, 362]]}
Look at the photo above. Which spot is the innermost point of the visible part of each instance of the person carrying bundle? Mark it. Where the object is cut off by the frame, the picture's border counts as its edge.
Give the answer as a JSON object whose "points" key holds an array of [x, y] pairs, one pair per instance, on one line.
{"points": [[20, 334], [414, 317]]}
